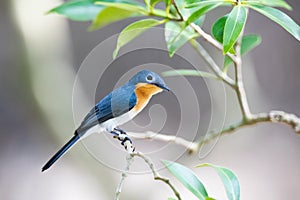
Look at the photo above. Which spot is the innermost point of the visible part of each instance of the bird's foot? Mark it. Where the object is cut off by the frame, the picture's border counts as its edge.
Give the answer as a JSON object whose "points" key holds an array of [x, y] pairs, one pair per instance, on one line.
{"points": [[127, 143], [123, 137], [120, 131]]}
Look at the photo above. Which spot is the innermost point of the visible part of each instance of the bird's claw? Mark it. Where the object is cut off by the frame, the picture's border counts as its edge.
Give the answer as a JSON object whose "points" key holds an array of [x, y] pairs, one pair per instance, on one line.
{"points": [[122, 136], [126, 145], [120, 131], [126, 139]]}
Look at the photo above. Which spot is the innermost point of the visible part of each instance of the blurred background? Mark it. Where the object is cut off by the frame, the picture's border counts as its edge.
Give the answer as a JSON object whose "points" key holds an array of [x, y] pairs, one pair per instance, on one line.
{"points": [[44, 96]]}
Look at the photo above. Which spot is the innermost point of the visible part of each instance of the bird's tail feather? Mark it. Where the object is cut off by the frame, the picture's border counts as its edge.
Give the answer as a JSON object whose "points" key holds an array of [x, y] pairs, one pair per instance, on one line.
{"points": [[61, 152]]}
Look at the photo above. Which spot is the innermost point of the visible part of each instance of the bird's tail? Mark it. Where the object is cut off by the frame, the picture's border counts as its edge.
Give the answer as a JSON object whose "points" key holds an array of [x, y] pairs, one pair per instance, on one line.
{"points": [[61, 152]]}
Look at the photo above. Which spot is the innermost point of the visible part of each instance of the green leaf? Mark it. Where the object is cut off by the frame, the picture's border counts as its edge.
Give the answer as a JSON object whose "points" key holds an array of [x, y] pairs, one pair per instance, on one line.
{"points": [[280, 18], [248, 43], [111, 14], [176, 36], [147, 2], [229, 179], [170, 198], [200, 12], [78, 10], [193, 3], [218, 28], [233, 27], [273, 3], [154, 2], [200, 20], [134, 7], [187, 178], [218, 31], [188, 72], [133, 30], [168, 4]]}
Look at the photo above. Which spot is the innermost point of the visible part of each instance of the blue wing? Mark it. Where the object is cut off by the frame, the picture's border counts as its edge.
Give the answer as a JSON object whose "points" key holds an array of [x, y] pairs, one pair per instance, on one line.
{"points": [[113, 105]]}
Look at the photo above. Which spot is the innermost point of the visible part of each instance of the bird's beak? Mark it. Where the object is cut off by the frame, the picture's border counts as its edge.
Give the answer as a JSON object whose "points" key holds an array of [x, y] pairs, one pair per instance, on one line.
{"points": [[164, 87]]}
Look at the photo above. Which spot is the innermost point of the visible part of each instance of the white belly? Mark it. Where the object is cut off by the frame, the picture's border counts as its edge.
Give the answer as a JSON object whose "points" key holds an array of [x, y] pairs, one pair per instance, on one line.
{"points": [[110, 124]]}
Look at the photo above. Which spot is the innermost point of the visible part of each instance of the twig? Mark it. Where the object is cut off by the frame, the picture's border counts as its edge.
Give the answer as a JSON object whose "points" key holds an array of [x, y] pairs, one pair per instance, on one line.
{"points": [[239, 89], [210, 40], [177, 9], [273, 116], [129, 159], [156, 174], [238, 86], [278, 116], [211, 63], [165, 17], [191, 146]]}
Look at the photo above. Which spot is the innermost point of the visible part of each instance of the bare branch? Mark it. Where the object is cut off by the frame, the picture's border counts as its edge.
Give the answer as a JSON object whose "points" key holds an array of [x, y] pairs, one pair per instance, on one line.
{"points": [[177, 9], [239, 89], [238, 84], [273, 116], [210, 39], [278, 116], [211, 63], [156, 174], [191, 146], [129, 159]]}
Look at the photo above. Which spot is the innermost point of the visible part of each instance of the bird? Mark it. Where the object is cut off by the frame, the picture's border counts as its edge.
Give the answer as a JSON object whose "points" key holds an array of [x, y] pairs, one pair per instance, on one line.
{"points": [[115, 109]]}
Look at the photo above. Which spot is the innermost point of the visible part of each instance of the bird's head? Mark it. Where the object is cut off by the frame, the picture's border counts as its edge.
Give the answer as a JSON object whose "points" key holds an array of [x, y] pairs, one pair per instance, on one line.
{"points": [[149, 79]]}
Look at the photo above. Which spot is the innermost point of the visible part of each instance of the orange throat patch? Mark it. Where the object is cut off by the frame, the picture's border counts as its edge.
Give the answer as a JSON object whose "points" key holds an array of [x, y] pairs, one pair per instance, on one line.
{"points": [[144, 92]]}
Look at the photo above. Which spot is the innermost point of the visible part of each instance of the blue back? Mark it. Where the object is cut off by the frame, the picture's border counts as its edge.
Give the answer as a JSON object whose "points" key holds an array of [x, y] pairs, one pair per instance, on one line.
{"points": [[113, 105]]}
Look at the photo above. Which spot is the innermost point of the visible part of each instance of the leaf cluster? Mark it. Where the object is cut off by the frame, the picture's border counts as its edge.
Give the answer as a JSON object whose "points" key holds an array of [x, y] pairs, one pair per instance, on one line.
{"points": [[190, 180], [176, 16]]}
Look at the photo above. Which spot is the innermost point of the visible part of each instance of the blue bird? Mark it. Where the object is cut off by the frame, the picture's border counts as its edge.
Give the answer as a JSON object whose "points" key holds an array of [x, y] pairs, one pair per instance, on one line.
{"points": [[115, 109]]}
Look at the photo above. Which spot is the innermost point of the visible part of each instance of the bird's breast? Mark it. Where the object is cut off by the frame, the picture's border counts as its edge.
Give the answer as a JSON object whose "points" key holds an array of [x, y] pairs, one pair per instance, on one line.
{"points": [[144, 92]]}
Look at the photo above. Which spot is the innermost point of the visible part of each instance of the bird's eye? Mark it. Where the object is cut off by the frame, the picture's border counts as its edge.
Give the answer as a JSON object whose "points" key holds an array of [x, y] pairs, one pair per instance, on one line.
{"points": [[149, 78]]}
